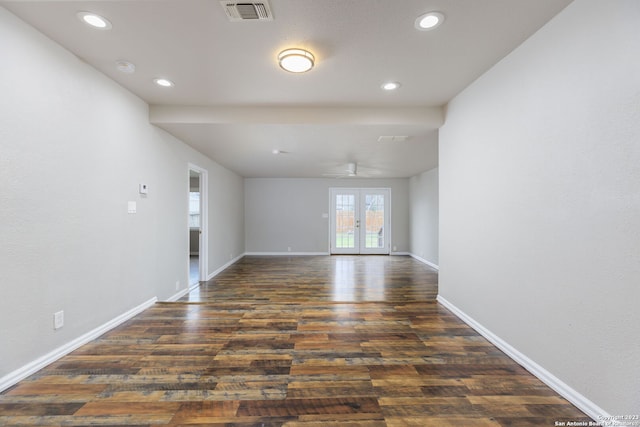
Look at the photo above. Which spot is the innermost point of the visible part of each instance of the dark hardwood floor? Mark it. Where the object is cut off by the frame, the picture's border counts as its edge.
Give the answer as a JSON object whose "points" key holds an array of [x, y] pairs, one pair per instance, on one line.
{"points": [[300, 341]]}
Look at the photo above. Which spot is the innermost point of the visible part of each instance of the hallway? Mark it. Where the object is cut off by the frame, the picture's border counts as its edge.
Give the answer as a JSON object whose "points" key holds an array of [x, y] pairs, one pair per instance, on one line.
{"points": [[294, 341]]}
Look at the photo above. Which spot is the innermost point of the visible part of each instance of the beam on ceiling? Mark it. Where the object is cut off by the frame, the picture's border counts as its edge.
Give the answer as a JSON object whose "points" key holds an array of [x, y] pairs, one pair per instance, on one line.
{"points": [[432, 117]]}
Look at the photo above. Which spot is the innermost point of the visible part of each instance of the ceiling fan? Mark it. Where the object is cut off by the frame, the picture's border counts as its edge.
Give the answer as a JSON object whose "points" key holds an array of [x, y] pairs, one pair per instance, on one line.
{"points": [[351, 170]]}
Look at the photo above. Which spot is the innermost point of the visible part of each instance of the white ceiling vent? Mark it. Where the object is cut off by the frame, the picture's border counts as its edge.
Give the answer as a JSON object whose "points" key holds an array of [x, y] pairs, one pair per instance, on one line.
{"points": [[393, 138], [247, 11]]}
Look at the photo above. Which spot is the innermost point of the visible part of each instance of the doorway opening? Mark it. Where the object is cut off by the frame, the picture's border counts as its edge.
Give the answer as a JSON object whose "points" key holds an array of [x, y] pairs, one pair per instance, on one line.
{"points": [[360, 219], [197, 225]]}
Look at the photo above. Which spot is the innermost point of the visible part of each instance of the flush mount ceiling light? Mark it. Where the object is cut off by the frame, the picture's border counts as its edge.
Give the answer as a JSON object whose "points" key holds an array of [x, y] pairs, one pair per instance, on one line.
{"points": [[296, 60], [163, 82], [429, 21], [95, 20], [390, 85]]}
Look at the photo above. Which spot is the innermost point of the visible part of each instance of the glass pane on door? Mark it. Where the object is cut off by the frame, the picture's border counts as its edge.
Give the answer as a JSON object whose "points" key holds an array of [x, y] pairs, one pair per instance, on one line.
{"points": [[345, 221], [374, 221]]}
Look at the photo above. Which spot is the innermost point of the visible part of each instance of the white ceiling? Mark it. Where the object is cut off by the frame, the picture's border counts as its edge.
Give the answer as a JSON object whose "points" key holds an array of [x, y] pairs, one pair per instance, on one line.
{"points": [[232, 102]]}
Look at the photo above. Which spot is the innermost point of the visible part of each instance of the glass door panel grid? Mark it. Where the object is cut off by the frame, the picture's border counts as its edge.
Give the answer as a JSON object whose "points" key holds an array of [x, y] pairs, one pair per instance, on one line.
{"points": [[345, 221]]}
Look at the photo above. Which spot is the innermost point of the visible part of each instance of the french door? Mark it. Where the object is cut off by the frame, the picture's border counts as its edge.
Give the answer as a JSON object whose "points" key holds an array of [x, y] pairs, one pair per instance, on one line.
{"points": [[360, 220]]}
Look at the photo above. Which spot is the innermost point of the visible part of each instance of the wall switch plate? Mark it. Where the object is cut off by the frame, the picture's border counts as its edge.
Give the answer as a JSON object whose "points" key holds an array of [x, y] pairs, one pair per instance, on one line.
{"points": [[144, 189], [58, 320], [131, 207]]}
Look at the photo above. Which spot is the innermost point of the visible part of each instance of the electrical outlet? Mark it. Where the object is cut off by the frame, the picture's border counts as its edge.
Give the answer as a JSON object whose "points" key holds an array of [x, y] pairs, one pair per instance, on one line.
{"points": [[58, 320], [395, 248], [288, 248], [177, 285]]}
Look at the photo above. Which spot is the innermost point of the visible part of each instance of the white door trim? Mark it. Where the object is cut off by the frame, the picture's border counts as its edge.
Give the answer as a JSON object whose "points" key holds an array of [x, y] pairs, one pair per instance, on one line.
{"points": [[333, 249], [360, 237], [386, 250], [203, 256]]}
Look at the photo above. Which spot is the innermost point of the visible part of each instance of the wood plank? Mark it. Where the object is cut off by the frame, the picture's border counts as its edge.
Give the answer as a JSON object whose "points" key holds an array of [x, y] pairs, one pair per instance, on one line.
{"points": [[264, 343], [128, 408]]}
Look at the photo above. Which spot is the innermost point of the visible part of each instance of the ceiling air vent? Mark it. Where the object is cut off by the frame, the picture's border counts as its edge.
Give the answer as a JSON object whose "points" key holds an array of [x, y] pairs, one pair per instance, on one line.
{"points": [[393, 138], [247, 11]]}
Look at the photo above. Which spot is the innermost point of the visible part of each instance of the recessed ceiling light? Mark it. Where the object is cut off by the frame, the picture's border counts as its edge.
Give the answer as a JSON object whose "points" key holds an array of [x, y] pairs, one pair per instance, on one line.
{"points": [[95, 20], [276, 151], [429, 21], [296, 60], [390, 85], [163, 82], [125, 67]]}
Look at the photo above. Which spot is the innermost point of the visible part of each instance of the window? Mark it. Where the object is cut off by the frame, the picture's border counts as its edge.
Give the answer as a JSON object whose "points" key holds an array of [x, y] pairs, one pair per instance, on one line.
{"points": [[194, 209]]}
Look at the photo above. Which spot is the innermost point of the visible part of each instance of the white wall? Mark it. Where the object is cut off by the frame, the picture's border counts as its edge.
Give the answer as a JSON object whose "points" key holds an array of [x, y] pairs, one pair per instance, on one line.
{"points": [[282, 213], [226, 216], [540, 201], [424, 223], [74, 147]]}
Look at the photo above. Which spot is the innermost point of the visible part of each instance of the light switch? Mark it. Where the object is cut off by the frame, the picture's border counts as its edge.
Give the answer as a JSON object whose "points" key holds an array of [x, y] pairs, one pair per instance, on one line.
{"points": [[131, 207], [58, 320]]}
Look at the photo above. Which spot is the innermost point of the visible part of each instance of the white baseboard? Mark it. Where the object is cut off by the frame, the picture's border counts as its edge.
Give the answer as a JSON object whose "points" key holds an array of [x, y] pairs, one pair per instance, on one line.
{"points": [[400, 253], [286, 253], [184, 292], [175, 297], [31, 368], [564, 390], [429, 263], [224, 267]]}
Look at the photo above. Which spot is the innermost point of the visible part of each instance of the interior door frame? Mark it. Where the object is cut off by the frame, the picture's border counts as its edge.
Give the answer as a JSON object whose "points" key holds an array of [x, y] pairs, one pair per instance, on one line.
{"points": [[203, 255], [360, 249]]}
